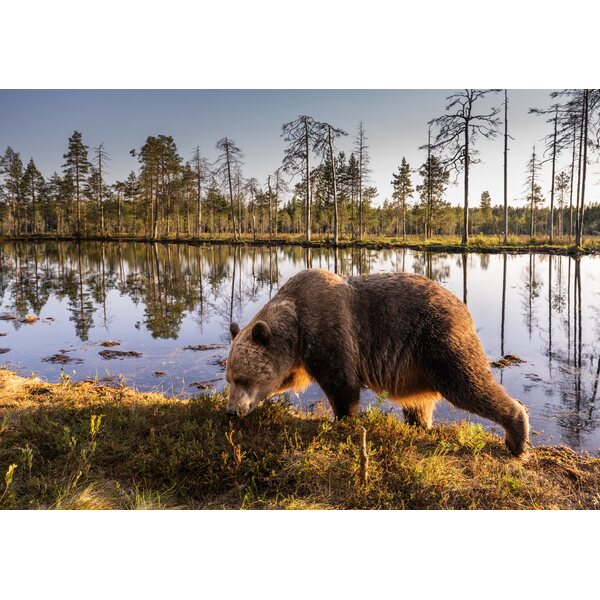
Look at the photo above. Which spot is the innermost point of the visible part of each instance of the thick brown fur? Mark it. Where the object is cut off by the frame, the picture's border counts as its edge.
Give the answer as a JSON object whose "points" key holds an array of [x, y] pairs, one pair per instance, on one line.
{"points": [[394, 333]]}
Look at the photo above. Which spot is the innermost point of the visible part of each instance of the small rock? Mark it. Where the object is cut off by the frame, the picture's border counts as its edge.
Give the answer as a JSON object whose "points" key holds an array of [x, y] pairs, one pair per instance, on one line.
{"points": [[6, 317], [4, 350], [159, 373], [3, 334]]}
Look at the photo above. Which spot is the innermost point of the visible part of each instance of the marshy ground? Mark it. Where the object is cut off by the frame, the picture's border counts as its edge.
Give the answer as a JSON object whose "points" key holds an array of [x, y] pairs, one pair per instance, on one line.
{"points": [[84, 445]]}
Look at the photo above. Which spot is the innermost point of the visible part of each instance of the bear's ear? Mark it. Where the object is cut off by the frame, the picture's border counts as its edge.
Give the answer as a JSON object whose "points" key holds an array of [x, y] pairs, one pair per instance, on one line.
{"points": [[261, 333], [234, 329]]}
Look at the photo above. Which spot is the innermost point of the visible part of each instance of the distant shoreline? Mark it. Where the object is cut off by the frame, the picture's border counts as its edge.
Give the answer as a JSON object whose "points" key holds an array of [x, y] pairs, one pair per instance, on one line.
{"points": [[480, 244]]}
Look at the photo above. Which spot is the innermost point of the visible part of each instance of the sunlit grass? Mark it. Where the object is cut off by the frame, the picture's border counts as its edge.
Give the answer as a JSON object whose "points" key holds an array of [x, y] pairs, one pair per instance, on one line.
{"points": [[87, 446]]}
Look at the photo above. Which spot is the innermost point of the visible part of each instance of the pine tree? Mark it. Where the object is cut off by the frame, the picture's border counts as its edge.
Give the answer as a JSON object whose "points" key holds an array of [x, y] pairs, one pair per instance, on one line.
{"points": [[12, 169], [33, 191], [77, 166], [533, 167], [403, 190], [160, 167], [432, 189], [485, 206], [132, 190], [535, 200]]}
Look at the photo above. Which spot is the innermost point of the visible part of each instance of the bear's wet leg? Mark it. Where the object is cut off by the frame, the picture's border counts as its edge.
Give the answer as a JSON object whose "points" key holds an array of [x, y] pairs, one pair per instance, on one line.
{"points": [[421, 416], [461, 373], [487, 398]]}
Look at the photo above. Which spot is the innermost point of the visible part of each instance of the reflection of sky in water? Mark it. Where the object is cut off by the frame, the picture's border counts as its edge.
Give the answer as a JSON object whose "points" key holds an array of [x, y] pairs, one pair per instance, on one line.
{"points": [[157, 301]]}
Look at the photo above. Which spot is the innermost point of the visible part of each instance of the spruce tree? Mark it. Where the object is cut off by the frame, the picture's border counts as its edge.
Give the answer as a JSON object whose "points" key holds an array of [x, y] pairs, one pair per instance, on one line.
{"points": [[12, 169], [485, 205], [432, 189], [33, 190], [403, 190], [77, 167]]}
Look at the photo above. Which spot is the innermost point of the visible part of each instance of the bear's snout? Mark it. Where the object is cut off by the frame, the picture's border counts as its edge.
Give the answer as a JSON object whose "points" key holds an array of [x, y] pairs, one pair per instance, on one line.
{"points": [[240, 402]]}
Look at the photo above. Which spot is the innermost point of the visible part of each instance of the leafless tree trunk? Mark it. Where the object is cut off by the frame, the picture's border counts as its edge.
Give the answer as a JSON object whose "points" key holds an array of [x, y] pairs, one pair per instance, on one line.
{"points": [[553, 174], [270, 206], [505, 166], [579, 239], [572, 181], [334, 183], [532, 223], [308, 194]]}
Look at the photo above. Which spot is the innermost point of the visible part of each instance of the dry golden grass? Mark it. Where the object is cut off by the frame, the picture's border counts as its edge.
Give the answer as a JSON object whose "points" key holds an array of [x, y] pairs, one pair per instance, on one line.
{"points": [[87, 446], [30, 319]]}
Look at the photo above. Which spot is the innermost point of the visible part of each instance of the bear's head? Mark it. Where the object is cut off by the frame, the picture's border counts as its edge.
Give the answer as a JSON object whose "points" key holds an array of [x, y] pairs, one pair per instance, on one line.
{"points": [[263, 359]]}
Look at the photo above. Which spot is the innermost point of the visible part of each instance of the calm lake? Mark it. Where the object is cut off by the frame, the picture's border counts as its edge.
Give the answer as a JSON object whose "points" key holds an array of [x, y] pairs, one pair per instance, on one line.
{"points": [[167, 300]]}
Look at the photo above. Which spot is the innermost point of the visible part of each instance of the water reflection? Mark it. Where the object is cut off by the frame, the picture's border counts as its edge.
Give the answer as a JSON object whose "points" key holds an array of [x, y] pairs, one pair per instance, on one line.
{"points": [[158, 299]]}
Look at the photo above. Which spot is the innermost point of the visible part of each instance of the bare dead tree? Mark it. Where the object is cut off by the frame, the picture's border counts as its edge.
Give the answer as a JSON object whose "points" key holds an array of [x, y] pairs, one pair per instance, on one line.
{"points": [[301, 136], [280, 188], [100, 158], [458, 130], [505, 166], [363, 159], [324, 146], [228, 165], [252, 189], [580, 111], [534, 195], [202, 172], [553, 148]]}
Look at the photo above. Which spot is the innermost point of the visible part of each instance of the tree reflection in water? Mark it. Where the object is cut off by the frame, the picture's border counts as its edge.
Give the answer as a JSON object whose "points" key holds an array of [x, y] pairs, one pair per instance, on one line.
{"points": [[544, 308]]}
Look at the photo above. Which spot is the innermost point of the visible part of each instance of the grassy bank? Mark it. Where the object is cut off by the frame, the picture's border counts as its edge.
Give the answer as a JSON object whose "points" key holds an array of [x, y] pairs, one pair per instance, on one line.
{"points": [[82, 445], [480, 244]]}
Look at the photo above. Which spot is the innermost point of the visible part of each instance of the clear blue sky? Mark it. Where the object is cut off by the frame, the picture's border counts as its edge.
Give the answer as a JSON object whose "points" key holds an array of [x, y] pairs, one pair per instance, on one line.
{"points": [[38, 122]]}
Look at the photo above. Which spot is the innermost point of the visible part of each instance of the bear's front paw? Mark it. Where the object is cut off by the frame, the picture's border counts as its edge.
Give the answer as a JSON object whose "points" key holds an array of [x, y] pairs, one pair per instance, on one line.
{"points": [[517, 448]]}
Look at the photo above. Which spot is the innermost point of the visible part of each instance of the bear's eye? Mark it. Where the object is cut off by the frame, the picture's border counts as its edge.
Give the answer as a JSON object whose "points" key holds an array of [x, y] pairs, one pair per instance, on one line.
{"points": [[240, 381]]}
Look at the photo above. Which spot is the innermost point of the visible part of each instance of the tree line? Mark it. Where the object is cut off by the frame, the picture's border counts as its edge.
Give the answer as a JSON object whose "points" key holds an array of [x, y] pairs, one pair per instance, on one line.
{"points": [[332, 194]]}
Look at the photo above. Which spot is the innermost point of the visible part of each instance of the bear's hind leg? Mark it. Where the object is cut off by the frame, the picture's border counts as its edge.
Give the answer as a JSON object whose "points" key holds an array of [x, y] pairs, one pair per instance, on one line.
{"points": [[421, 416], [487, 398], [464, 379]]}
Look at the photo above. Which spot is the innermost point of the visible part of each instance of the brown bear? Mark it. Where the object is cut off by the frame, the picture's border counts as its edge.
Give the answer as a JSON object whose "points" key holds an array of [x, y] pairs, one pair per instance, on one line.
{"points": [[393, 333]]}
